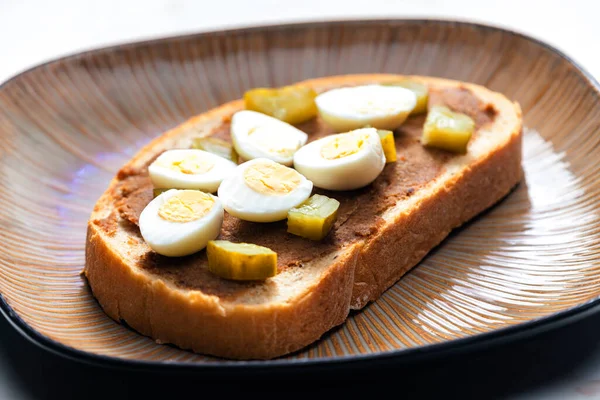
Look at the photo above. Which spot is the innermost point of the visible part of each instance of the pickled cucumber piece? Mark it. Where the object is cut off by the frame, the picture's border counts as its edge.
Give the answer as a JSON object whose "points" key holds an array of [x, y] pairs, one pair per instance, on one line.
{"points": [[388, 144], [417, 88], [216, 146], [447, 130], [291, 104], [314, 218], [240, 261]]}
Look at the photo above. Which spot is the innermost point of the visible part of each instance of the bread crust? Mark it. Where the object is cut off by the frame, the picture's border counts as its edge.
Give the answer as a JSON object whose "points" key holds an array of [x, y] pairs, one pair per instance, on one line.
{"points": [[347, 280], [412, 235], [197, 322]]}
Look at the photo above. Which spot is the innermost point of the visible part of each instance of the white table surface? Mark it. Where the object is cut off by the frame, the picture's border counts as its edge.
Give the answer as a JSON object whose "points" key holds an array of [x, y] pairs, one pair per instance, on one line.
{"points": [[35, 31]]}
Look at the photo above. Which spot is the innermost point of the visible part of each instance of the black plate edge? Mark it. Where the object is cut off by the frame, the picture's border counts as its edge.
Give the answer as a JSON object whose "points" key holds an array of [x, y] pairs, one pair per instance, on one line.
{"points": [[398, 357], [470, 343]]}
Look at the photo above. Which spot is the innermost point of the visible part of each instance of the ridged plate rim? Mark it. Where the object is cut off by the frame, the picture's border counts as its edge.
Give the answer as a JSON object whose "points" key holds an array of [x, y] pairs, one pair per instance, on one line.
{"points": [[469, 343]]}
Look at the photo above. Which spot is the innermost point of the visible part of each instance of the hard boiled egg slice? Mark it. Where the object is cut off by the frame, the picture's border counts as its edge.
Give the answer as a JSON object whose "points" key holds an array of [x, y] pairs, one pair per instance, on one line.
{"points": [[181, 222], [262, 190], [344, 161], [190, 169], [257, 135], [382, 107]]}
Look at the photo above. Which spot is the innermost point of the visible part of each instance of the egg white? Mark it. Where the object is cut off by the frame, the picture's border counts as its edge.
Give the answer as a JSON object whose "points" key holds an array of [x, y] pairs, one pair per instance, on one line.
{"points": [[209, 181], [176, 239], [382, 107], [257, 135], [347, 173], [245, 203]]}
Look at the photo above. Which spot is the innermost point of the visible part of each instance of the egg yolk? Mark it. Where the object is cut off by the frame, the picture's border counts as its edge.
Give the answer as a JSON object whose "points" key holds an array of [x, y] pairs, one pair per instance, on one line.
{"points": [[186, 206], [271, 178], [190, 165], [272, 142], [343, 145]]}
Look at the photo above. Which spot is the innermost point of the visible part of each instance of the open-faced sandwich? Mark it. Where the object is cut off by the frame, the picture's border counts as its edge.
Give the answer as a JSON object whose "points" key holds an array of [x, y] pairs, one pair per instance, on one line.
{"points": [[252, 229]]}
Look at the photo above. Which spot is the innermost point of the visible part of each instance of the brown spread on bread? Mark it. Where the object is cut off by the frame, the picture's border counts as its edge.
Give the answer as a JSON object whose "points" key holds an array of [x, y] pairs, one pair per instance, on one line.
{"points": [[359, 214]]}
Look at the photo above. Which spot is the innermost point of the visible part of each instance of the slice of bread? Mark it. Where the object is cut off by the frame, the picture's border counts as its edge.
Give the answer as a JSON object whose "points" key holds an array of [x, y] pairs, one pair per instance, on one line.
{"points": [[180, 302]]}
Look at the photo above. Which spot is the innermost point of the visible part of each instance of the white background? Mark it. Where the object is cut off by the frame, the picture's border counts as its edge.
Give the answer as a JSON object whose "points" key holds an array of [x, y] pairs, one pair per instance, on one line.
{"points": [[35, 31]]}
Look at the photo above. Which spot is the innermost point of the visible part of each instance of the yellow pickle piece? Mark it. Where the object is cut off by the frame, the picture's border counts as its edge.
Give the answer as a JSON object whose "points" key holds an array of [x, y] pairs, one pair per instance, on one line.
{"points": [[389, 145], [216, 146], [291, 104], [418, 89], [240, 261], [314, 218], [448, 130]]}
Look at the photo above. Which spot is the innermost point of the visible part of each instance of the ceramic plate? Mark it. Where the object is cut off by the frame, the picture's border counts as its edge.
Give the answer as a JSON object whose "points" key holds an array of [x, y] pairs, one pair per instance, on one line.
{"points": [[531, 262]]}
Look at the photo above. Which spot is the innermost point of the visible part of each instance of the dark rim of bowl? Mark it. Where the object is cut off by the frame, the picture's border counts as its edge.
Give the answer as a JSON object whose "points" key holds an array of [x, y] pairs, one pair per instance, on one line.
{"points": [[470, 343]]}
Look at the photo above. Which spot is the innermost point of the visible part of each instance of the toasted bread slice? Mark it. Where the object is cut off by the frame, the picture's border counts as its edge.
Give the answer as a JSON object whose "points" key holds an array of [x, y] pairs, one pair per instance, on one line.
{"points": [[178, 301]]}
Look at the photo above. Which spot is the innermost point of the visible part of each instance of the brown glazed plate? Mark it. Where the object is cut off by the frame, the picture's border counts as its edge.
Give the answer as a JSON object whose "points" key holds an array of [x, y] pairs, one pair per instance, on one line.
{"points": [[529, 264]]}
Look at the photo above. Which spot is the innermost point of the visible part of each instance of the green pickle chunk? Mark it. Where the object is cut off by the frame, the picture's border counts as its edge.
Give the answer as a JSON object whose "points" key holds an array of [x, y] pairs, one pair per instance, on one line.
{"points": [[447, 130], [216, 146], [388, 144], [314, 218], [291, 104], [418, 89], [241, 261]]}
